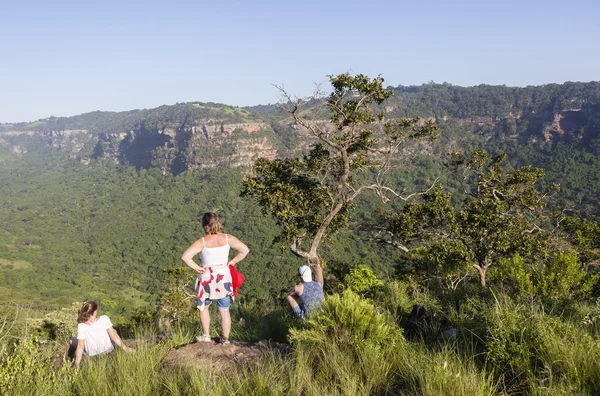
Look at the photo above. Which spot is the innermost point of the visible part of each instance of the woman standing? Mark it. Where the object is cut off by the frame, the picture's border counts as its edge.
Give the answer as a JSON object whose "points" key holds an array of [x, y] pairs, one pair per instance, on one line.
{"points": [[214, 279]]}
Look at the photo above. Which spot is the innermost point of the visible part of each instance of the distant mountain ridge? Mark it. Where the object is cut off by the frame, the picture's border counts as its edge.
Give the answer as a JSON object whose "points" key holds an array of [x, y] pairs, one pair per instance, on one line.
{"points": [[190, 135], [171, 137]]}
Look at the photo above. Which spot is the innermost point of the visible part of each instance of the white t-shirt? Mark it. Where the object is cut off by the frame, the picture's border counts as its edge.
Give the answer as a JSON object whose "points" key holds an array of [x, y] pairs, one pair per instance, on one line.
{"points": [[96, 337]]}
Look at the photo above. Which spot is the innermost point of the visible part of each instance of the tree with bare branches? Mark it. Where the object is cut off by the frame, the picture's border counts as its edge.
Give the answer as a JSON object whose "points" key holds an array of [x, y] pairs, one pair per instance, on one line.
{"points": [[310, 196]]}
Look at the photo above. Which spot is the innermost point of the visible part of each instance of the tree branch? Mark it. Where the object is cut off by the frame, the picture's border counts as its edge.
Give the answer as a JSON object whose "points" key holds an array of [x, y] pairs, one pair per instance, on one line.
{"points": [[392, 242], [534, 229], [294, 249], [381, 190]]}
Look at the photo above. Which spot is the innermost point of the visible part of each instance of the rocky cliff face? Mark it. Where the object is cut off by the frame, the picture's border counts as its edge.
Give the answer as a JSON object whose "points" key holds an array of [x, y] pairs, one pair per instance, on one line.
{"points": [[173, 149], [576, 126], [187, 136]]}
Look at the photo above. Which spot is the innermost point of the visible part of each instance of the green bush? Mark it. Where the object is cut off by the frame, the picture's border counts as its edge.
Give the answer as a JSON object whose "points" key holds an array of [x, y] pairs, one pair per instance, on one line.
{"points": [[561, 277], [516, 274], [564, 278], [344, 345], [346, 319], [396, 298], [27, 368], [363, 281], [591, 319]]}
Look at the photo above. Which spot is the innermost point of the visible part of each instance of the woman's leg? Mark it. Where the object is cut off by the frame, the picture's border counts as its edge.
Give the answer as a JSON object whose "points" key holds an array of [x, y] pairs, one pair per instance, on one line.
{"points": [[72, 348], [205, 320], [298, 311], [225, 322]]}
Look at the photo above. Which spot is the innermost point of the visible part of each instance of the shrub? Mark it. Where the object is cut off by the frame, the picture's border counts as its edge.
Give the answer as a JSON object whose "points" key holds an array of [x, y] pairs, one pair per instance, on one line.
{"points": [[26, 368], [346, 319], [363, 281], [345, 345], [60, 324], [397, 298], [516, 274], [561, 277], [591, 319], [564, 278]]}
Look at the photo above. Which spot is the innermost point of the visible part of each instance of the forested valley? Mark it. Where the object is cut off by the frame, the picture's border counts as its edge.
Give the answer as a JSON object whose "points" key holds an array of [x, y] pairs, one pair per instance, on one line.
{"points": [[500, 242]]}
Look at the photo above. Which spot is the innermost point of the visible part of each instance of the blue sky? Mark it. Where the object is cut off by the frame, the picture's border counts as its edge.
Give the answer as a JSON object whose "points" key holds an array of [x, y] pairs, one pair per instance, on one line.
{"points": [[65, 58]]}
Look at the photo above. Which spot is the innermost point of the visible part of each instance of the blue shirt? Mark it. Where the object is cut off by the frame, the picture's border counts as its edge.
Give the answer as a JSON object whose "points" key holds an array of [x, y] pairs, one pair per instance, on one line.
{"points": [[312, 296]]}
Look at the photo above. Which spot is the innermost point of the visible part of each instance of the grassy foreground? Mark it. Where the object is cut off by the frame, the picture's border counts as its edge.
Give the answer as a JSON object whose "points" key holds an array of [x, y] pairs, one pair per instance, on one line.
{"points": [[353, 346]]}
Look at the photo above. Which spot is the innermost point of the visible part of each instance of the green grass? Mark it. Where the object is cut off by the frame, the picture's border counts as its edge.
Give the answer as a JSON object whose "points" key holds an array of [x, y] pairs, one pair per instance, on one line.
{"points": [[347, 348], [15, 264]]}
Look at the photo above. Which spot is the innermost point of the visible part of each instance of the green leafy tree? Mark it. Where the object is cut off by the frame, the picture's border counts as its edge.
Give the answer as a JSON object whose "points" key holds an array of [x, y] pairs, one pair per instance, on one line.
{"points": [[583, 235], [501, 216], [310, 196]]}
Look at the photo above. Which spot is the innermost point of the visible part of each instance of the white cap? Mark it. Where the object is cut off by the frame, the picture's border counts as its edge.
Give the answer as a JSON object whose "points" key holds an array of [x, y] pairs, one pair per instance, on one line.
{"points": [[306, 273]]}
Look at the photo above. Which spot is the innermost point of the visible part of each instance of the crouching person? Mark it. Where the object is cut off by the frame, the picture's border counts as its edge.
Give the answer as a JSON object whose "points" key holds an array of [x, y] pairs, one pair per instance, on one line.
{"points": [[95, 335], [307, 295]]}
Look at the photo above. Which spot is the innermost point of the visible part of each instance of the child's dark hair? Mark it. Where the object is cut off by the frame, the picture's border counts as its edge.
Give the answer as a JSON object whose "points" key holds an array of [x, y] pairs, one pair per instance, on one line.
{"points": [[87, 310]]}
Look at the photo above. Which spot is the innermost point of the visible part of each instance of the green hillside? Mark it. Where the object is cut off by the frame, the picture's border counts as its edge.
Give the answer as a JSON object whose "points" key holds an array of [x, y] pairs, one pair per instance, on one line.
{"points": [[487, 282], [74, 230]]}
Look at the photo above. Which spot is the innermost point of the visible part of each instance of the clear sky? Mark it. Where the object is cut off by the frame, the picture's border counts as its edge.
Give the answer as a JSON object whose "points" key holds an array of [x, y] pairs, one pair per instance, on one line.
{"points": [[65, 58]]}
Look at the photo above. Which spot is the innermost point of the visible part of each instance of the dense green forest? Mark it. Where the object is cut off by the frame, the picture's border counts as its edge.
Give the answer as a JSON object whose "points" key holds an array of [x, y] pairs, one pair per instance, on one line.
{"points": [[74, 230], [499, 250], [495, 101], [160, 117]]}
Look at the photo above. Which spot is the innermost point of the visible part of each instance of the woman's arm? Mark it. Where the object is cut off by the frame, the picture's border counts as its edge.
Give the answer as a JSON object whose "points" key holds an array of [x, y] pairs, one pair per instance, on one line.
{"points": [[188, 255], [79, 352], [117, 340], [241, 248]]}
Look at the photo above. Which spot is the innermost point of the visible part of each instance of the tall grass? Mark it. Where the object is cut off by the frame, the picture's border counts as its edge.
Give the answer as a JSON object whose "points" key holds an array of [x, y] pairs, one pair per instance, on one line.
{"points": [[120, 373], [184, 333], [421, 371], [349, 347], [249, 322], [531, 349], [253, 321]]}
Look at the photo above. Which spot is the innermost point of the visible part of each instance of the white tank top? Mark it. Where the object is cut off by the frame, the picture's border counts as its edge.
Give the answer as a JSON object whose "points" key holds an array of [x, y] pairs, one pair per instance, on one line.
{"points": [[215, 256]]}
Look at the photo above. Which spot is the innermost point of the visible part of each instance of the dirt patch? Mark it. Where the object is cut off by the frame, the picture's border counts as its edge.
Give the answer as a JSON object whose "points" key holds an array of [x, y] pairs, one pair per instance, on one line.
{"points": [[221, 357]]}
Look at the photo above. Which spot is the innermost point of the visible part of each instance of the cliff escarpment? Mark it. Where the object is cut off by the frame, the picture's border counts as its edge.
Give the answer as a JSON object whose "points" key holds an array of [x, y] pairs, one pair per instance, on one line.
{"points": [[173, 138], [199, 135]]}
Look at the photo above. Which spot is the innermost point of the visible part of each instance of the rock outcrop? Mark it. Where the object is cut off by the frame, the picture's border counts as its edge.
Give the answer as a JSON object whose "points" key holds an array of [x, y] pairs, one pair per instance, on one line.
{"points": [[175, 138], [174, 149]]}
